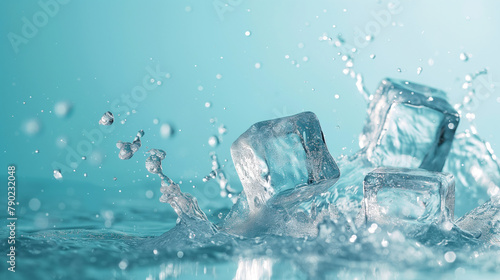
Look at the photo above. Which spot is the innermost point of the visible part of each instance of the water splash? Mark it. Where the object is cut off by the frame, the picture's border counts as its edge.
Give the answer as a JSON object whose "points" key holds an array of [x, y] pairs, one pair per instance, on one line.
{"points": [[127, 149], [219, 175]]}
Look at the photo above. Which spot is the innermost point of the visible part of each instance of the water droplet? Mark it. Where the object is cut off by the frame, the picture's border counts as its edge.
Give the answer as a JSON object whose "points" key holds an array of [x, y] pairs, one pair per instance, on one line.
{"points": [[32, 127], [300, 45], [208, 104], [464, 57], [123, 264], [450, 256], [85, 175], [57, 174], [114, 178], [200, 88], [107, 118], [62, 108], [218, 76], [34, 204], [213, 141], [305, 58], [451, 126], [257, 65], [399, 70], [149, 194], [37, 151], [166, 130], [337, 96], [372, 56], [419, 70], [247, 33], [156, 121], [222, 129]]}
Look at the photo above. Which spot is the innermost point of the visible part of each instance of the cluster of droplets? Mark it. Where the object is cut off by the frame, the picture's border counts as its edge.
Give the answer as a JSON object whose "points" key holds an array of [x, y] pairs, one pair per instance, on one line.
{"points": [[220, 177], [127, 149]]}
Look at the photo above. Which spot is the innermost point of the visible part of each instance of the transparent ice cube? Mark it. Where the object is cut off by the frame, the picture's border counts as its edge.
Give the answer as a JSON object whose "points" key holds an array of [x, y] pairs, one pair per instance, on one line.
{"points": [[484, 222], [408, 197], [475, 167], [409, 125], [283, 161]]}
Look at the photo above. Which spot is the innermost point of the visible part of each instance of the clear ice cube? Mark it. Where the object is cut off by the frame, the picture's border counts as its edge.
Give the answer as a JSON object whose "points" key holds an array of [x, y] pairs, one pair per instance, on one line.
{"points": [[483, 222], [408, 197], [474, 165], [409, 125], [284, 161]]}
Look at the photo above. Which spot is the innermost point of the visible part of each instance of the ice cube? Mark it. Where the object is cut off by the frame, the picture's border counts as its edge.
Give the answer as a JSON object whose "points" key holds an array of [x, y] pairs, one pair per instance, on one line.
{"points": [[484, 222], [473, 163], [409, 125], [284, 161], [408, 197]]}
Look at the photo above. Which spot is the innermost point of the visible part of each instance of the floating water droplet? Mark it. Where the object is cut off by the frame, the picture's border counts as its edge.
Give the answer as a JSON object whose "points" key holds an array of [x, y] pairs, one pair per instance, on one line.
{"points": [[149, 194], [85, 175], [305, 58], [208, 104], [127, 149], [62, 108], [218, 76], [37, 151], [222, 129], [337, 96], [200, 88], [166, 130], [34, 204], [399, 70], [123, 264], [300, 45], [257, 65], [114, 178], [107, 118], [32, 127], [419, 70], [57, 174], [450, 256], [213, 141], [372, 56], [84, 158], [464, 57], [248, 33], [156, 121]]}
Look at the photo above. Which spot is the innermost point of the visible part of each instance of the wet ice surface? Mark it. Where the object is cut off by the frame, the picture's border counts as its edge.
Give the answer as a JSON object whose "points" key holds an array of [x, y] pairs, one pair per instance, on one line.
{"points": [[409, 125], [127, 149], [409, 199]]}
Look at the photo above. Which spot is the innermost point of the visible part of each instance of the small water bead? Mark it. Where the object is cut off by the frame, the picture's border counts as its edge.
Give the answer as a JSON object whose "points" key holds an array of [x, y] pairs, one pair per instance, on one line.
{"points": [[419, 70], [372, 56], [451, 126], [222, 129], [123, 264], [248, 33], [200, 88], [37, 151], [464, 57], [208, 104], [84, 158], [107, 118], [57, 174], [166, 130], [156, 121], [450, 256], [218, 76], [257, 65], [114, 178], [305, 58], [399, 70], [32, 127], [149, 194], [62, 108], [213, 141]]}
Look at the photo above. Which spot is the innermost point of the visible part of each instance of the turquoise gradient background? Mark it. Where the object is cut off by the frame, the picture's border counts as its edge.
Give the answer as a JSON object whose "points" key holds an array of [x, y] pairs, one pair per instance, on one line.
{"points": [[92, 53]]}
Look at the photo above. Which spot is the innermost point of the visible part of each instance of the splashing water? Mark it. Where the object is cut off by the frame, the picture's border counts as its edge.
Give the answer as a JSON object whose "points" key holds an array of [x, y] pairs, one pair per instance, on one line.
{"points": [[127, 149]]}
